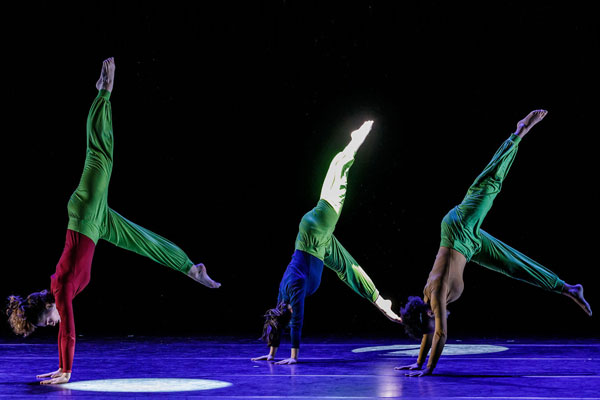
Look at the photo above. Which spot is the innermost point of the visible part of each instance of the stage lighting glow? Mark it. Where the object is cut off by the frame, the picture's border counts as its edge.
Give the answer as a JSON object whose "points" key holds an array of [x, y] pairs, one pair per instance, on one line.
{"points": [[449, 349], [146, 385]]}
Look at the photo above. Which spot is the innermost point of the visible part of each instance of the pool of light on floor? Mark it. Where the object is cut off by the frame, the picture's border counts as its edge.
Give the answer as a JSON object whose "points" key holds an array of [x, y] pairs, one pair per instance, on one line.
{"points": [[449, 349], [146, 385]]}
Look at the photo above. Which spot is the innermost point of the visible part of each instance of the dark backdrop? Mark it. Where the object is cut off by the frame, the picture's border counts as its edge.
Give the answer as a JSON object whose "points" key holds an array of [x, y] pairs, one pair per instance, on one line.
{"points": [[226, 115]]}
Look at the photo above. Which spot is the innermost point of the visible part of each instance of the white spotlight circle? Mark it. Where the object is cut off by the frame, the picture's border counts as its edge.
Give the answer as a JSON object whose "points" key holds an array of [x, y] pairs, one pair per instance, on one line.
{"points": [[449, 350], [146, 385]]}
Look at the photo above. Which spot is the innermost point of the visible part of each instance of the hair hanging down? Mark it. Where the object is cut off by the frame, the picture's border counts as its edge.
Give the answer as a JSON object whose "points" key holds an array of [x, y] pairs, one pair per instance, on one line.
{"points": [[276, 319], [24, 314], [415, 318]]}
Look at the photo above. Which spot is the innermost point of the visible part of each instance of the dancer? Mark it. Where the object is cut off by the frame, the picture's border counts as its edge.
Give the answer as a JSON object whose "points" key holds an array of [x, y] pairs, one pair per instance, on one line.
{"points": [[316, 246], [90, 219], [462, 241]]}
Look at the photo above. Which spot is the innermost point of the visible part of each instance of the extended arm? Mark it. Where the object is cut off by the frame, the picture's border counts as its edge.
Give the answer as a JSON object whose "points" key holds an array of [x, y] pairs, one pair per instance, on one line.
{"points": [[66, 337], [268, 357], [297, 305], [438, 306], [425, 346], [293, 357]]}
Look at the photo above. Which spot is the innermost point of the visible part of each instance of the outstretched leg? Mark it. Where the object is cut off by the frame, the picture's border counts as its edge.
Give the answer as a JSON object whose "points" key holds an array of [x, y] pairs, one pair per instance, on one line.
{"points": [[487, 185], [88, 204], [500, 257], [336, 180], [317, 225], [339, 260], [127, 235], [460, 227]]}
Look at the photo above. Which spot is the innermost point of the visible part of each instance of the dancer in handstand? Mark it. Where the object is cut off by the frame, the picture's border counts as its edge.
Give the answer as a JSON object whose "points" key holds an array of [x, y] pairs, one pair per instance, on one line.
{"points": [[90, 219], [462, 240], [316, 246]]}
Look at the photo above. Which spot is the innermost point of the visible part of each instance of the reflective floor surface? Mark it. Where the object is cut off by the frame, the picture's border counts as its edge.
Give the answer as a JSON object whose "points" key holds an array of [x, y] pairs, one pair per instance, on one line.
{"points": [[330, 368]]}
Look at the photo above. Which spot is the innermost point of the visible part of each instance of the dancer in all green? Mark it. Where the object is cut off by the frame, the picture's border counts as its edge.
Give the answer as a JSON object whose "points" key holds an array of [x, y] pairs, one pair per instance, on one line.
{"points": [[462, 241], [316, 246], [90, 219]]}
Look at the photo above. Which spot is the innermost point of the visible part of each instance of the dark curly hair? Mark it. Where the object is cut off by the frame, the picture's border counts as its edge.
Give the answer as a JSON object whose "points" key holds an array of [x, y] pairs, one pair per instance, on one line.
{"points": [[276, 320], [415, 318], [23, 315]]}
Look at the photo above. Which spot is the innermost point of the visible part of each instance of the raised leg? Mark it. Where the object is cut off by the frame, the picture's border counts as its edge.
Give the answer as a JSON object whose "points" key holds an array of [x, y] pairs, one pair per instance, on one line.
{"points": [[88, 204], [336, 180], [480, 196]]}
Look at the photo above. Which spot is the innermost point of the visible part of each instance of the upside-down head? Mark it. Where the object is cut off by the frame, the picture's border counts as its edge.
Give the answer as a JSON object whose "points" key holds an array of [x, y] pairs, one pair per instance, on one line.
{"points": [[417, 317], [38, 309], [276, 320]]}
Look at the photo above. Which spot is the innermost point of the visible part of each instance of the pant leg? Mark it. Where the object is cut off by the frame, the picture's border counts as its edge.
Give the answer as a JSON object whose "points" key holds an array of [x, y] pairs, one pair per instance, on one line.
{"points": [[87, 206], [316, 229], [336, 180], [317, 226], [338, 259], [502, 258], [129, 236], [460, 227], [487, 185]]}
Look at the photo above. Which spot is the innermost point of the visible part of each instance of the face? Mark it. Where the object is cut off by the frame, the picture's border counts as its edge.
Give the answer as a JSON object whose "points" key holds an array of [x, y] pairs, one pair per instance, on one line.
{"points": [[50, 316]]}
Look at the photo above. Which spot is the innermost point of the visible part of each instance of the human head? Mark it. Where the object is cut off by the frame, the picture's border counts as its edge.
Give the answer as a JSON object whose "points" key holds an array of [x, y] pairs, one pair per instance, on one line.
{"points": [[38, 309], [276, 319], [417, 317]]}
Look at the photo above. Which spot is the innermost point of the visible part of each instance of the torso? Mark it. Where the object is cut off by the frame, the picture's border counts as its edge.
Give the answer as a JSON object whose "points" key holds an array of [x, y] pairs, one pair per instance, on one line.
{"points": [[304, 271], [446, 277]]}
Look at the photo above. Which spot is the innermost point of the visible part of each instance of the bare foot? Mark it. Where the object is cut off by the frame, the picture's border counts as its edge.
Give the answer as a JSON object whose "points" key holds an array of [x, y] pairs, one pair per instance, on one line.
{"points": [[107, 75], [359, 135], [575, 292], [524, 125], [198, 273], [385, 306]]}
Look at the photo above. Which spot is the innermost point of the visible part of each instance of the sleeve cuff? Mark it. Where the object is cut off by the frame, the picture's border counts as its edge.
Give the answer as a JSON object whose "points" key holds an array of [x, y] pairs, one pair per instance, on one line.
{"points": [[515, 138], [105, 94]]}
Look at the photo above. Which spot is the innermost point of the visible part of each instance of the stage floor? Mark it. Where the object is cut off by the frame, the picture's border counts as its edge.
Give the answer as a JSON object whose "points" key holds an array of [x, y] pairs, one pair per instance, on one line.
{"points": [[331, 368]]}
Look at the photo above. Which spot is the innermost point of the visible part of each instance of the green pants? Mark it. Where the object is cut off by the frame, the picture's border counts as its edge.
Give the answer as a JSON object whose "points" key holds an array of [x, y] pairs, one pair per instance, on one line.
{"points": [[315, 234], [461, 227], [88, 209]]}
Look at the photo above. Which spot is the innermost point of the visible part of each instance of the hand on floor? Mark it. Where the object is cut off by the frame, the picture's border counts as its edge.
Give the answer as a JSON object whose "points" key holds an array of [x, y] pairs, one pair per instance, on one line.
{"points": [[411, 366], [426, 371], [287, 361], [268, 357]]}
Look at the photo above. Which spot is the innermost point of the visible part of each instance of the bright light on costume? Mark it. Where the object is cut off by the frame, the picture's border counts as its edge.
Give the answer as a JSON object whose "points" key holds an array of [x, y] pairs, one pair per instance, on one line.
{"points": [[146, 385]]}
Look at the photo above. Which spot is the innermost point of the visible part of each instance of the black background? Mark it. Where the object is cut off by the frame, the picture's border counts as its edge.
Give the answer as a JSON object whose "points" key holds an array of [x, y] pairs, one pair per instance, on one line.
{"points": [[226, 115]]}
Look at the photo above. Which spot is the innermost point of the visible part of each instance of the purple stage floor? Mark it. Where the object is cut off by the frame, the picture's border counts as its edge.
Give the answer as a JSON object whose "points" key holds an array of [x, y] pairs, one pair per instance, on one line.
{"points": [[332, 368]]}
